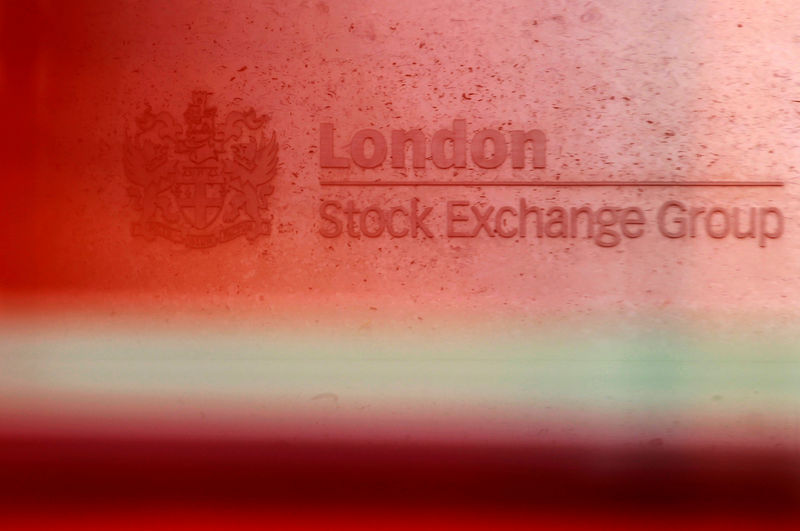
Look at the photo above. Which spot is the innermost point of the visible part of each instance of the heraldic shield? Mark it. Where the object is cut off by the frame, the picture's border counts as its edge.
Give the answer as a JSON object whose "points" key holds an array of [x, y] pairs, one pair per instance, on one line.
{"points": [[203, 183]]}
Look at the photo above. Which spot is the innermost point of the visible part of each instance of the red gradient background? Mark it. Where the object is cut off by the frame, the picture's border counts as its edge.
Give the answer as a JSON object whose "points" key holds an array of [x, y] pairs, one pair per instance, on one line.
{"points": [[680, 90]]}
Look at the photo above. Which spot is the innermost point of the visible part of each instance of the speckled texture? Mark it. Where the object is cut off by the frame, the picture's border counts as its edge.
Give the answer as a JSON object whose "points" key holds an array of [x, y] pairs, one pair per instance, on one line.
{"points": [[559, 328], [654, 90]]}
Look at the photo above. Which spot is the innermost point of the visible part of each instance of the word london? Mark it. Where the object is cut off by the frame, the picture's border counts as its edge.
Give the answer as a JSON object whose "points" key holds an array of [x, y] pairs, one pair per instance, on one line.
{"points": [[606, 226]]}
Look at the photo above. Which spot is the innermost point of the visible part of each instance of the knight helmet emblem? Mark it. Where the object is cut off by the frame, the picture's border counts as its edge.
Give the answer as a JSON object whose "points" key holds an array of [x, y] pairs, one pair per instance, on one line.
{"points": [[201, 183]]}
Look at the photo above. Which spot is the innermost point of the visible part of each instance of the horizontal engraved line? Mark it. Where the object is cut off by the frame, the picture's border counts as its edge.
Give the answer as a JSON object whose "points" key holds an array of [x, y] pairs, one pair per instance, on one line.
{"points": [[559, 183]]}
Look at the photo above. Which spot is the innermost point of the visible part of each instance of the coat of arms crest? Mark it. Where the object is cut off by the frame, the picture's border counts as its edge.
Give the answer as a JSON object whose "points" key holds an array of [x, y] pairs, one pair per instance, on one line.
{"points": [[205, 183]]}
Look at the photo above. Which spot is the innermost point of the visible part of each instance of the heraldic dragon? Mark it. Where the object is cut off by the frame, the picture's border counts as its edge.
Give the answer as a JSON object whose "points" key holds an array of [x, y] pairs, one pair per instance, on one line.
{"points": [[203, 184]]}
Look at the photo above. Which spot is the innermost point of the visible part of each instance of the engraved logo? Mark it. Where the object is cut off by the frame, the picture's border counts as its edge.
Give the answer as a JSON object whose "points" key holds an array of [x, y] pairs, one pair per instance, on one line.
{"points": [[202, 183]]}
